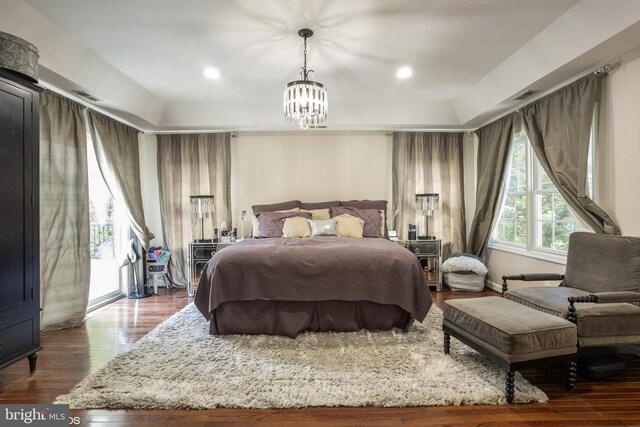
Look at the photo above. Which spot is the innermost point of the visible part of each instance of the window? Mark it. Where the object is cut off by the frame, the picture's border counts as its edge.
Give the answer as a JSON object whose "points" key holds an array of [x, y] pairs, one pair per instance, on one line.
{"points": [[534, 216]]}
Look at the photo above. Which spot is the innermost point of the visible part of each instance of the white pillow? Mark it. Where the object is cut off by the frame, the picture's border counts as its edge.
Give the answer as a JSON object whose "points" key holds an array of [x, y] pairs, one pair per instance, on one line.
{"points": [[296, 227], [318, 213], [349, 226], [255, 224], [323, 227]]}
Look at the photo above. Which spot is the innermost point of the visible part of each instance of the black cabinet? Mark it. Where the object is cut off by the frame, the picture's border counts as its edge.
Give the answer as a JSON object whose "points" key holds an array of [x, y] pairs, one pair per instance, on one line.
{"points": [[19, 220]]}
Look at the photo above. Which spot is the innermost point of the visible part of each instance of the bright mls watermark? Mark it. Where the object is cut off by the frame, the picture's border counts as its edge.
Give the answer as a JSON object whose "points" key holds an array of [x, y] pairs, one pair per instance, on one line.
{"points": [[36, 415]]}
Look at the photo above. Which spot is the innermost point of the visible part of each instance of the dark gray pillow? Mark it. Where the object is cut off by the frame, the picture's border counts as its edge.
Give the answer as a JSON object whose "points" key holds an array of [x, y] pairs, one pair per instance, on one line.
{"points": [[369, 204], [319, 205], [365, 204], [282, 206], [372, 219], [271, 223]]}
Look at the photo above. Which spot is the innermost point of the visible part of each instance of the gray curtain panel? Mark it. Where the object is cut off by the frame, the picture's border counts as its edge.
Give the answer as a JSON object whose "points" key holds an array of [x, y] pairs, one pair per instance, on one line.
{"points": [[494, 141], [64, 213], [117, 152], [559, 128], [430, 162], [191, 165]]}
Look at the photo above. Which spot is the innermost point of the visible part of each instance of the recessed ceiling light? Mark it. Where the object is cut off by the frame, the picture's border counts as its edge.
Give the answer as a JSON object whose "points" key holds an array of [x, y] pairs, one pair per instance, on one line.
{"points": [[404, 73], [211, 73]]}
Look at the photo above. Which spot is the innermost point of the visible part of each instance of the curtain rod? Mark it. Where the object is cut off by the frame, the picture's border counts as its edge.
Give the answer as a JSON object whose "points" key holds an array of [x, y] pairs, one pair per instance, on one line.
{"points": [[605, 69]]}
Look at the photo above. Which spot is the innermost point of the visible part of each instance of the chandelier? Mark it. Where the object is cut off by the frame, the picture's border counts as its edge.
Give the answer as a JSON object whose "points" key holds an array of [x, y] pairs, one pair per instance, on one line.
{"points": [[305, 101]]}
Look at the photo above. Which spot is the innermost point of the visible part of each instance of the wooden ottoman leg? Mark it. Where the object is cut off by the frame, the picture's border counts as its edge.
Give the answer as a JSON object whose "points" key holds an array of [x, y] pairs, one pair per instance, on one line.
{"points": [[571, 370], [509, 388], [447, 343]]}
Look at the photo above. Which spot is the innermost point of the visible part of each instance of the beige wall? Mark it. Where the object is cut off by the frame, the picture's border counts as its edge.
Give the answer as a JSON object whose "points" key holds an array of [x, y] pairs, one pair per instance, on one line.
{"points": [[311, 166], [617, 167], [618, 152]]}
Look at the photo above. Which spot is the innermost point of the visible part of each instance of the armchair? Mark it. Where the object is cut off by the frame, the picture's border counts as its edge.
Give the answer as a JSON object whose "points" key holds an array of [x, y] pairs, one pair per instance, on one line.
{"points": [[599, 292]]}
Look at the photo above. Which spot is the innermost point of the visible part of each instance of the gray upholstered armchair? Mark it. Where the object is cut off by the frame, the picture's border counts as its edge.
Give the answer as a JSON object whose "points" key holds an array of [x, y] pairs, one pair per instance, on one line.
{"points": [[599, 292]]}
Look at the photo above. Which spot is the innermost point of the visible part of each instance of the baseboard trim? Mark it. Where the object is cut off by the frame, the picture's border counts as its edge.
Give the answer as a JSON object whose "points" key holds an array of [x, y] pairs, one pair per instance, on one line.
{"points": [[493, 286]]}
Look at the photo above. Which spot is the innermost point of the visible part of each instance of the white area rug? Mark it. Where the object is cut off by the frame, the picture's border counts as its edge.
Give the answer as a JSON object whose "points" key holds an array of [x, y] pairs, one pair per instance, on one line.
{"points": [[179, 365]]}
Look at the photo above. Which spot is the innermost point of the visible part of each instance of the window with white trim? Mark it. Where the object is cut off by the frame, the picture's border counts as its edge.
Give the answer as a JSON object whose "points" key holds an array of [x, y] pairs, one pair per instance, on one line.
{"points": [[534, 216]]}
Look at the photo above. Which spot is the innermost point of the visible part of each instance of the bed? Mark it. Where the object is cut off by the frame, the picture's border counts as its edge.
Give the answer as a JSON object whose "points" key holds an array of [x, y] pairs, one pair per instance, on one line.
{"points": [[283, 286]]}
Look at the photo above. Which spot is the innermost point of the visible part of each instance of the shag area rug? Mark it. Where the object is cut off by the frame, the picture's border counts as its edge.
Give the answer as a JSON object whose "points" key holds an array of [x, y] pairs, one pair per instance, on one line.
{"points": [[179, 365]]}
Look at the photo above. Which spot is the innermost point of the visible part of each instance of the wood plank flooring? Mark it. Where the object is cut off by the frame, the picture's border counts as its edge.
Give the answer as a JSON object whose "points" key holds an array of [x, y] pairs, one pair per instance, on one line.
{"points": [[69, 355]]}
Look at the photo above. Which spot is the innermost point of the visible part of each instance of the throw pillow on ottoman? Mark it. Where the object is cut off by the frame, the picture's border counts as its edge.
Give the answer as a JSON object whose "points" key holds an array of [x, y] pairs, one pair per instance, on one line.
{"points": [[464, 272]]}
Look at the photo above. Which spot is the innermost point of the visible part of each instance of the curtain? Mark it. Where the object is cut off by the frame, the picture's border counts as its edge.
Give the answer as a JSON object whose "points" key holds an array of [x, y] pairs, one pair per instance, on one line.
{"points": [[493, 155], [559, 128], [189, 165], [430, 163], [116, 147], [64, 213]]}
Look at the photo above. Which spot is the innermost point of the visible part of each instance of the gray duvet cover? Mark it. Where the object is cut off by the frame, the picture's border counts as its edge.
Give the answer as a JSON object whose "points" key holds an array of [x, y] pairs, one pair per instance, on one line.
{"points": [[286, 285]]}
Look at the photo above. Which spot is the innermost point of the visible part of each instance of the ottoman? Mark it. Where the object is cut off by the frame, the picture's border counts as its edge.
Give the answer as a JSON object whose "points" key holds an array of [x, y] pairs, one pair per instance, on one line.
{"points": [[512, 335]]}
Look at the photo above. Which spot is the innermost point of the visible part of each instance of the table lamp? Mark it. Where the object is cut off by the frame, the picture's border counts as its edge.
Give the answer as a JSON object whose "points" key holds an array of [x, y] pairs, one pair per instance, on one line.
{"points": [[427, 203], [202, 207]]}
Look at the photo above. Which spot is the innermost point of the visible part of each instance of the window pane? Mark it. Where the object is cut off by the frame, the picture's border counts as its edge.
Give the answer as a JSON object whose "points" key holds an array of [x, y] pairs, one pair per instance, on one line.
{"points": [[545, 204], [508, 231], [509, 211], [521, 232], [547, 234], [562, 231], [520, 206], [518, 173], [545, 181], [561, 209]]}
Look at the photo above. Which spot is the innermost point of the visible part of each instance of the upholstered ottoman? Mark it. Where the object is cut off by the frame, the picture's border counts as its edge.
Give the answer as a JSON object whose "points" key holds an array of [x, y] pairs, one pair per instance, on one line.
{"points": [[512, 335]]}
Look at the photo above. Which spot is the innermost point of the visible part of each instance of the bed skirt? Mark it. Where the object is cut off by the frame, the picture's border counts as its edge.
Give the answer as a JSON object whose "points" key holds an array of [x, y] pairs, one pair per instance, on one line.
{"points": [[292, 317]]}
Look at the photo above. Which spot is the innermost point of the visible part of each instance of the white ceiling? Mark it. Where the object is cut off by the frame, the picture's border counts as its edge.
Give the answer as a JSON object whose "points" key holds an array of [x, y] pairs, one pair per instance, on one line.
{"points": [[145, 58]]}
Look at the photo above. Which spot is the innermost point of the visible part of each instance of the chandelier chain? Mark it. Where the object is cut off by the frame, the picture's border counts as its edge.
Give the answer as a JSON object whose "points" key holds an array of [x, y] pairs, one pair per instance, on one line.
{"points": [[305, 58]]}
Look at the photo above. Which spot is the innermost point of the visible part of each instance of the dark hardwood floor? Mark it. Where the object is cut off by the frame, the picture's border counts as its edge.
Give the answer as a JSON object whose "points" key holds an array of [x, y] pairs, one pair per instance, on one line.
{"points": [[69, 355]]}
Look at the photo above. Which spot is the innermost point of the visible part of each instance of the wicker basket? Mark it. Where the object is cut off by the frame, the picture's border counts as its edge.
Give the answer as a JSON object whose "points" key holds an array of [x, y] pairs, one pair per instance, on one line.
{"points": [[19, 55]]}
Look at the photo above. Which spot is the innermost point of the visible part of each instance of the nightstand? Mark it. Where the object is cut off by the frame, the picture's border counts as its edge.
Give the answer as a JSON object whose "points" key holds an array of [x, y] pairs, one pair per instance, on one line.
{"points": [[198, 255], [428, 253]]}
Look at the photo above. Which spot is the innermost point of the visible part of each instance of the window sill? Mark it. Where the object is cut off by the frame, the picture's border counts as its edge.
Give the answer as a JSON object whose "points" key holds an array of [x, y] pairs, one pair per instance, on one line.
{"points": [[541, 255]]}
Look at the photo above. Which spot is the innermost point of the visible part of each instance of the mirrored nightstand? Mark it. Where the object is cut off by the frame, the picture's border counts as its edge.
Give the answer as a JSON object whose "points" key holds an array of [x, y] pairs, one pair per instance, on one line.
{"points": [[198, 256], [428, 253]]}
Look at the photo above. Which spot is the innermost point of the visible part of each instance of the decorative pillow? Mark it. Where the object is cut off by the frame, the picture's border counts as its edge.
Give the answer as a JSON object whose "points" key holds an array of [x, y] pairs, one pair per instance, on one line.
{"points": [[296, 227], [464, 262], [318, 213], [365, 204], [273, 207], [372, 218], [349, 226], [319, 205], [325, 227], [255, 224], [271, 223], [369, 204]]}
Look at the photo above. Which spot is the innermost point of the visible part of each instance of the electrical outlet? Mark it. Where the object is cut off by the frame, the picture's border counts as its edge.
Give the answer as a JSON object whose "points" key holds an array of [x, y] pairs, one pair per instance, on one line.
{"points": [[547, 283]]}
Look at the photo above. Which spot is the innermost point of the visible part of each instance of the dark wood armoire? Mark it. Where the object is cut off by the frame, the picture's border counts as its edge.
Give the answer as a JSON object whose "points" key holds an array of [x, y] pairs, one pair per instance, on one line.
{"points": [[19, 220]]}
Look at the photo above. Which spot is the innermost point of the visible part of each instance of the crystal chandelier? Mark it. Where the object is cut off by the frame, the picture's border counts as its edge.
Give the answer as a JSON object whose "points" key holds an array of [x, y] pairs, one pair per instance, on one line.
{"points": [[305, 101]]}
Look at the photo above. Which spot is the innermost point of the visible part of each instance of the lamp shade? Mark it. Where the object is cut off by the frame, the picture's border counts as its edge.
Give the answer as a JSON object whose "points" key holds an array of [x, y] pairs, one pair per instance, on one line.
{"points": [[202, 206], [427, 203]]}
